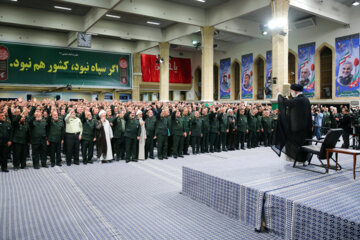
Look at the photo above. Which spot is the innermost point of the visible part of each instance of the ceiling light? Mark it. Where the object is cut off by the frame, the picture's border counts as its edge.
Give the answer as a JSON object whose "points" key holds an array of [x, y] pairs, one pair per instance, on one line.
{"points": [[153, 23], [113, 16], [14, 0], [63, 8], [264, 33], [194, 42], [276, 23], [355, 3], [201, 1]]}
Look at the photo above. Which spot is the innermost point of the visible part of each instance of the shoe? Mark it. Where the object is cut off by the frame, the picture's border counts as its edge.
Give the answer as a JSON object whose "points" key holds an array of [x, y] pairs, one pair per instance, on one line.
{"points": [[242, 148], [4, 170], [52, 165], [181, 156], [44, 166], [91, 162], [68, 164], [165, 157], [85, 163], [77, 163], [160, 158], [135, 160], [186, 154], [58, 164], [175, 156], [23, 167], [36, 167], [127, 161]]}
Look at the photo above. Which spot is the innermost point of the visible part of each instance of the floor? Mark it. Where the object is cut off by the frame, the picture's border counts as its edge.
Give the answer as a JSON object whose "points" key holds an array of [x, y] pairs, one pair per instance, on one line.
{"points": [[113, 201]]}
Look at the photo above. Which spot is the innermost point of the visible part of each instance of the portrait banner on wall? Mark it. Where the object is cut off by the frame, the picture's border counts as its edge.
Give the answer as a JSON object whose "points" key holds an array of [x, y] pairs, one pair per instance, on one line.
{"points": [[306, 73], [347, 66], [225, 78], [247, 76], [54, 66], [268, 83]]}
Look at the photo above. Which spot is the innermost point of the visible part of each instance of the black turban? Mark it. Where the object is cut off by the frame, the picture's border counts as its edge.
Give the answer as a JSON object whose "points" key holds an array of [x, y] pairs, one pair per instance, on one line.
{"points": [[296, 87]]}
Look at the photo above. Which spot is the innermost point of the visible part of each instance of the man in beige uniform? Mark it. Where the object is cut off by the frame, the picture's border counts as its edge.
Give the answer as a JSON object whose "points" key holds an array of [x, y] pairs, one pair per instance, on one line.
{"points": [[73, 132]]}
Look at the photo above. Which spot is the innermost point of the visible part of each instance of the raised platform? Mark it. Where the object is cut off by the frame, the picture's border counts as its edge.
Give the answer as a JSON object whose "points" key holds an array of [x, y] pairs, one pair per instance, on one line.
{"points": [[261, 190]]}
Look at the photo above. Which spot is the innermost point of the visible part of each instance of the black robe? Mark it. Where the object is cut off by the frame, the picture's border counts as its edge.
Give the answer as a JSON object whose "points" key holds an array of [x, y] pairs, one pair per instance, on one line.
{"points": [[101, 147], [294, 126]]}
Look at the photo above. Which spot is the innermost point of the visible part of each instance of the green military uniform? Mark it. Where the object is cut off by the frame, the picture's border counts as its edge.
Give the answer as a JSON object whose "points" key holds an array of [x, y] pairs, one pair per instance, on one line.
{"points": [[19, 142], [326, 123], [170, 137], [38, 140], [252, 126], [161, 133], [196, 128], [213, 132], [178, 131], [87, 139], [186, 120], [274, 126], [119, 138], [132, 131], [268, 129], [5, 137], [224, 127], [206, 132], [150, 124], [258, 129], [242, 127], [55, 134]]}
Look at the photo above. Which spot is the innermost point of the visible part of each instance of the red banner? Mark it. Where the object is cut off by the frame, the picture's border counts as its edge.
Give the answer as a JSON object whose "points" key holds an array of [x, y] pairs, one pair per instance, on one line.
{"points": [[179, 69]]}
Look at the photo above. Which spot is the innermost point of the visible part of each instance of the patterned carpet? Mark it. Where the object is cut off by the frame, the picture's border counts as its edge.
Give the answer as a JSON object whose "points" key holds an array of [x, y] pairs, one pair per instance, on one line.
{"points": [[297, 204], [112, 201]]}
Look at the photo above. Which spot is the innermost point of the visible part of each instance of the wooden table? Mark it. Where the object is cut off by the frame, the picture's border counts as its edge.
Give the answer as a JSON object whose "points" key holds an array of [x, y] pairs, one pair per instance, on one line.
{"points": [[352, 152]]}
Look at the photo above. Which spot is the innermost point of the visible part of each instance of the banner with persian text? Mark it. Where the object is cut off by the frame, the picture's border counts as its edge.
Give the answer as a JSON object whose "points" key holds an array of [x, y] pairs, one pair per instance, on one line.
{"points": [[268, 83], [247, 76], [44, 65], [179, 69], [306, 72], [225, 78], [347, 66]]}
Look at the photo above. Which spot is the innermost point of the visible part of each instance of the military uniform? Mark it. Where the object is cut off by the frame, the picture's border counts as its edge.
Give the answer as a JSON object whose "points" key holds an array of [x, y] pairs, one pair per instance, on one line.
{"points": [[178, 131], [326, 123], [119, 138], [206, 132], [196, 131], [258, 129], [242, 127], [87, 139], [231, 136], [55, 135], [214, 132], [150, 124], [19, 142], [224, 127], [38, 140], [161, 133], [252, 124], [186, 120], [5, 137], [132, 131], [268, 129]]}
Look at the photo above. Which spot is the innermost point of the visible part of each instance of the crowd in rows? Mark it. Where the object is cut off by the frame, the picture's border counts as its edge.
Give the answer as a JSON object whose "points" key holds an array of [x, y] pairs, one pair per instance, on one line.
{"points": [[130, 130]]}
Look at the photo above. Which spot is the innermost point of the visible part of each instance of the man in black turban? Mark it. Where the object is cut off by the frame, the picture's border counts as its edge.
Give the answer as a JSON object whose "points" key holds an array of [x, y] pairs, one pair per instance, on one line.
{"points": [[294, 124]]}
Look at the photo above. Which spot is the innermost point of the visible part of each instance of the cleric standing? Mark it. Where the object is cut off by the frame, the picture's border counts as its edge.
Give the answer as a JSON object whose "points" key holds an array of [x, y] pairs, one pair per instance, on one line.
{"points": [[294, 124]]}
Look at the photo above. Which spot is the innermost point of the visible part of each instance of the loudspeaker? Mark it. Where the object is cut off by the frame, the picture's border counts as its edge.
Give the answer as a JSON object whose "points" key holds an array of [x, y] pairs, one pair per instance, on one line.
{"points": [[28, 97], [327, 92], [57, 97]]}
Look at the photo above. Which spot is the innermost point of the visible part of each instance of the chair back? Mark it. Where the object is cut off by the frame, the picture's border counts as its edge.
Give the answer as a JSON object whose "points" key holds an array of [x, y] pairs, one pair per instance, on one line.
{"points": [[330, 141]]}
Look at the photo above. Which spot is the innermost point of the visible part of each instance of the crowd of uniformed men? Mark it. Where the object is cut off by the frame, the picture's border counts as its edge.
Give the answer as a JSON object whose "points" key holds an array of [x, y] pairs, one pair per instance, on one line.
{"points": [[52, 127]]}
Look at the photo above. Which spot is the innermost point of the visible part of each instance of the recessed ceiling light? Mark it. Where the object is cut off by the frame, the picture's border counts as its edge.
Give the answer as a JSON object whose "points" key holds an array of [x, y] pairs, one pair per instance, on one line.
{"points": [[355, 3], [63, 8], [113, 16], [201, 1], [14, 0], [153, 23]]}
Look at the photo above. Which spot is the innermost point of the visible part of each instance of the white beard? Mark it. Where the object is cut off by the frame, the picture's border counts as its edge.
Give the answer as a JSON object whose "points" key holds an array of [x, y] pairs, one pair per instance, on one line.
{"points": [[293, 94]]}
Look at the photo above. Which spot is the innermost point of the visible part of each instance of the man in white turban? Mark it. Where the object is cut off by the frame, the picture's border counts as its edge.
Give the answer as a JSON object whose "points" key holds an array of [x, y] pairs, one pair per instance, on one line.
{"points": [[104, 134]]}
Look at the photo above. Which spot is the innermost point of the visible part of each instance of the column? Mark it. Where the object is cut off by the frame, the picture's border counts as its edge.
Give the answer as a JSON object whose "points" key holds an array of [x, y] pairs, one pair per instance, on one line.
{"points": [[280, 48], [164, 71], [101, 97], [207, 64], [137, 77], [116, 95]]}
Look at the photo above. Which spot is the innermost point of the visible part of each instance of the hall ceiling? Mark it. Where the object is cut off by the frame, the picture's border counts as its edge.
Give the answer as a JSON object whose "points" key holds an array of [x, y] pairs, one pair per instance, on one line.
{"points": [[178, 21]]}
